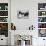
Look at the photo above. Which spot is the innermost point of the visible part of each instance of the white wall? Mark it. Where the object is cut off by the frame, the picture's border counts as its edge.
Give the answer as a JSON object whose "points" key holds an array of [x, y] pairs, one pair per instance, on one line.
{"points": [[22, 24]]}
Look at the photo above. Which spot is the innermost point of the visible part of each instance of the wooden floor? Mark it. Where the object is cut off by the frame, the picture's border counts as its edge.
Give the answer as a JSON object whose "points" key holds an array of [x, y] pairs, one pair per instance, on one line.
{"points": [[3, 45]]}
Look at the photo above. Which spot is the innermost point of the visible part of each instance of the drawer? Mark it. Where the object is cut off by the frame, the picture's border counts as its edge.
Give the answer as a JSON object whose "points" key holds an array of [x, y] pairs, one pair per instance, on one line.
{"points": [[3, 41]]}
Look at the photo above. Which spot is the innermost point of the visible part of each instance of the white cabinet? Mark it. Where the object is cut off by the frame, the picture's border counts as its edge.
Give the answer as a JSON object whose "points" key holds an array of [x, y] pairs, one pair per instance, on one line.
{"points": [[3, 40], [41, 41]]}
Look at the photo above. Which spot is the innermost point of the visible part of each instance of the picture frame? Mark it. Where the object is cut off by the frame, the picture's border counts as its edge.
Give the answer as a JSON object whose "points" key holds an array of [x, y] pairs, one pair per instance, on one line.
{"points": [[22, 14]]}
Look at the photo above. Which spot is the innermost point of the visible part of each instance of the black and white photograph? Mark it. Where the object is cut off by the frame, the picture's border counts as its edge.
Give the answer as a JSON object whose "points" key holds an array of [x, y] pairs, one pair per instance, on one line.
{"points": [[23, 14]]}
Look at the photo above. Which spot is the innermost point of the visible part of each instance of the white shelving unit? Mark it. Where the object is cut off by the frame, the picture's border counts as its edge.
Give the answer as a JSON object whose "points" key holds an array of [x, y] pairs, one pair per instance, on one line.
{"points": [[4, 21], [42, 18]]}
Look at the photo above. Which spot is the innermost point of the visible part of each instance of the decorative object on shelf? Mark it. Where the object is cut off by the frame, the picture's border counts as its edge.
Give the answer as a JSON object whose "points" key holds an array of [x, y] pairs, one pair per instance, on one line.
{"points": [[40, 25], [3, 19], [31, 27], [41, 13], [6, 7], [3, 13], [22, 14], [4, 29], [13, 27], [41, 19], [41, 6], [4, 26], [3, 6], [42, 32]]}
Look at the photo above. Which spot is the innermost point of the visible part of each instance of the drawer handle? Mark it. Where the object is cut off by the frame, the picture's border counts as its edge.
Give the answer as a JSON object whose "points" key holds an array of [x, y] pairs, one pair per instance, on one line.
{"points": [[43, 39], [1, 39]]}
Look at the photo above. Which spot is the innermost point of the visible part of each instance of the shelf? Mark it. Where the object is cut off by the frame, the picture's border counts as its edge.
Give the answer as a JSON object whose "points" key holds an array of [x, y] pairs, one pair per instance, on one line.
{"points": [[3, 22], [3, 16], [41, 10], [41, 28], [3, 10], [41, 22]]}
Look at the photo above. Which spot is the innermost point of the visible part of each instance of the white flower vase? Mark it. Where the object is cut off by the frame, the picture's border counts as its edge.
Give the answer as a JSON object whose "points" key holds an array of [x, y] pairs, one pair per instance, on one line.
{"points": [[22, 43]]}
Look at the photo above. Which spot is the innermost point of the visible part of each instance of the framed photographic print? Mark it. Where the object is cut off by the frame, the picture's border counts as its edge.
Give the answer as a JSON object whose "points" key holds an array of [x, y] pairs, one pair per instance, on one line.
{"points": [[23, 14]]}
